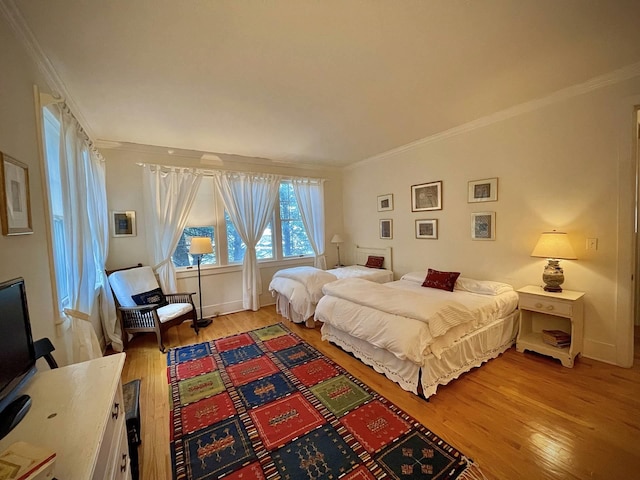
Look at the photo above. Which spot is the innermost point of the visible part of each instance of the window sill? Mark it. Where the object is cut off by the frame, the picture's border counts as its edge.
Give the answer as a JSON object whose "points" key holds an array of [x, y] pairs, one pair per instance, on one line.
{"points": [[205, 270]]}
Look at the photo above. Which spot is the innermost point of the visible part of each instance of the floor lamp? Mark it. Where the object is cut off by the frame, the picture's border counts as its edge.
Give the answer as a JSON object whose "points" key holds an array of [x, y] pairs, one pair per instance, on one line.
{"points": [[199, 246]]}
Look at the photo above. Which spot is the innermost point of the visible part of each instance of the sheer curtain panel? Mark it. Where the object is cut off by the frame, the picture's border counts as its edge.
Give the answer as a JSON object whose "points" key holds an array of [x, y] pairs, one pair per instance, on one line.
{"points": [[250, 200], [310, 196], [169, 193]]}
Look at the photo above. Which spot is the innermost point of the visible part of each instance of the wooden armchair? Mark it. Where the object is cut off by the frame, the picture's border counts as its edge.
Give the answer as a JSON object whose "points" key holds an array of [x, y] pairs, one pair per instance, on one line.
{"points": [[143, 307]]}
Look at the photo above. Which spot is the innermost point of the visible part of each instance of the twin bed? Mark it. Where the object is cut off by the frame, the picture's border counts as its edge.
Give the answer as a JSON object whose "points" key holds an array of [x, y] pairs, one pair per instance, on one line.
{"points": [[421, 331], [417, 336], [298, 290]]}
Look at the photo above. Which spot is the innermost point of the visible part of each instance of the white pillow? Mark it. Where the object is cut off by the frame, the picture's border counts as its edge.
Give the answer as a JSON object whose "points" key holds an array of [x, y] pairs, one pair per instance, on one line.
{"points": [[415, 277], [483, 287]]}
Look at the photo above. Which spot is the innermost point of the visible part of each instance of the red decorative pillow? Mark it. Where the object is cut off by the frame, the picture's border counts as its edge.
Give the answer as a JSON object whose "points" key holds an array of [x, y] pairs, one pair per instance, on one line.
{"points": [[441, 280], [374, 262]]}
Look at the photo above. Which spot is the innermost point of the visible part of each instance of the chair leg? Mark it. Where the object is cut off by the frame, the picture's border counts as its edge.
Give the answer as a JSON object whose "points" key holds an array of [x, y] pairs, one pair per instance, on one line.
{"points": [[160, 344]]}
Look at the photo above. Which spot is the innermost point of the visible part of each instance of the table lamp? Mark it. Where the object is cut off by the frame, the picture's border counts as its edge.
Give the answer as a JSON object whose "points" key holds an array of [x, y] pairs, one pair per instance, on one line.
{"points": [[553, 246], [337, 239], [199, 246]]}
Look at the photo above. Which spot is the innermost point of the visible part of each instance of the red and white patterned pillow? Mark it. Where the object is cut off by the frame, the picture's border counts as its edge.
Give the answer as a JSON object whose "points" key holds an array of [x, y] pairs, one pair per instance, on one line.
{"points": [[442, 280], [374, 262]]}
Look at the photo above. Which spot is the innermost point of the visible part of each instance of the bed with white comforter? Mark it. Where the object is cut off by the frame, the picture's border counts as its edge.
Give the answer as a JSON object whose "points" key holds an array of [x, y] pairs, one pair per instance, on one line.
{"points": [[419, 337], [299, 289]]}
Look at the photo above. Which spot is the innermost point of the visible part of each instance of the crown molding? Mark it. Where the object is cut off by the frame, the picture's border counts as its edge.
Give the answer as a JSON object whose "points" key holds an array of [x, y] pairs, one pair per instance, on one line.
{"points": [[611, 78], [10, 11]]}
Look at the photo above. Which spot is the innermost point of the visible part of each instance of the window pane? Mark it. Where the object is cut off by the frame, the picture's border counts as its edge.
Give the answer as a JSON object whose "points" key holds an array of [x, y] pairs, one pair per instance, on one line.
{"points": [[181, 257], [295, 241], [236, 247]]}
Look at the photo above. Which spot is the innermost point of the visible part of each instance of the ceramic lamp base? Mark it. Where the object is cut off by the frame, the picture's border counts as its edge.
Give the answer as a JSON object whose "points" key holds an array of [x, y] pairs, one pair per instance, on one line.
{"points": [[553, 276]]}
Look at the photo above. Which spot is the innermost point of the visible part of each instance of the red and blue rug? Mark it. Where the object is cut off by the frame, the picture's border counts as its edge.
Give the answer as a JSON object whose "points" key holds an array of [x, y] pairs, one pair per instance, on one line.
{"points": [[266, 405]]}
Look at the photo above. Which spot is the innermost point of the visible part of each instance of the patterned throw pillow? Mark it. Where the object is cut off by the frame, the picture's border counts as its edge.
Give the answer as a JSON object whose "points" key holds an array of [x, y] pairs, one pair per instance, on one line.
{"points": [[374, 262], [441, 280], [154, 296]]}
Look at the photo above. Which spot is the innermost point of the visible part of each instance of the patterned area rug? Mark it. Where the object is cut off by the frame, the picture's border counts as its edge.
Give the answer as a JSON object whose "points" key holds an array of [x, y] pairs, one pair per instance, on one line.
{"points": [[266, 405]]}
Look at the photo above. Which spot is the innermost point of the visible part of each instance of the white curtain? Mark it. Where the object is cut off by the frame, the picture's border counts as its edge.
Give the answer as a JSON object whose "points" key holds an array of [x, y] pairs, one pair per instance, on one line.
{"points": [[169, 193], [77, 178], [310, 196], [99, 223], [250, 200]]}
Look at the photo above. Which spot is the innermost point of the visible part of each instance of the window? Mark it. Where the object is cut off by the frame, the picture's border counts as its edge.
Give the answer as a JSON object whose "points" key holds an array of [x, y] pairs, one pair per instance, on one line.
{"points": [[208, 219], [56, 203], [295, 241]]}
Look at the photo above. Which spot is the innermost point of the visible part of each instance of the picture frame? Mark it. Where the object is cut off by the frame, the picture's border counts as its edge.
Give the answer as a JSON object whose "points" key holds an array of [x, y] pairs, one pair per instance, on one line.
{"points": [[483, 190], [426, 196], [386, 229], [15, 201], [427, 229], [123, 223], [385, 202], [483, 225]]}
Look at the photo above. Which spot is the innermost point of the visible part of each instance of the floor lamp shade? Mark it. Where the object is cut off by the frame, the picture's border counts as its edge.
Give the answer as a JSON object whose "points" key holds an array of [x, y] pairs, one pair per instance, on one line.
{"points": [[553, 246], [199, 246]]}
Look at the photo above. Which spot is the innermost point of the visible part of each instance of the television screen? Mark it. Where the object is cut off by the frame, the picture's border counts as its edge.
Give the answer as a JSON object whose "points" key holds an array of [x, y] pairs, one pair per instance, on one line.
{"points": [[17, 354]]}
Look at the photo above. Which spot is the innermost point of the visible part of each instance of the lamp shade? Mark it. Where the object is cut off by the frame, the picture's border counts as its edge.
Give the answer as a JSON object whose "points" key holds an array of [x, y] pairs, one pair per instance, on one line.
{"points": [[554, 245], [337, 239], [200, 246]]}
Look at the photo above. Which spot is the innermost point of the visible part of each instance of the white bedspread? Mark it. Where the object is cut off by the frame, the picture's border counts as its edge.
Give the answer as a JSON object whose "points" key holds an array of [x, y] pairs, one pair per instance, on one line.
{"points": [[406, 319], [302, 286]]}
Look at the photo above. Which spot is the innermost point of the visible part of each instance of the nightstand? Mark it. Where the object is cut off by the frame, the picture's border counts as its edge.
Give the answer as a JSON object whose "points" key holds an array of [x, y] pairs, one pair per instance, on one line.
{"points": [[541, 310]]}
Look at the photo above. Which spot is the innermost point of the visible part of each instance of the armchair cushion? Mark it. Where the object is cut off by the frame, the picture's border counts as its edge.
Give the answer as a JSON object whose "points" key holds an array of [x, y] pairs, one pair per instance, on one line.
{"points": [[154, 296], [173, 310], [133, 281]]}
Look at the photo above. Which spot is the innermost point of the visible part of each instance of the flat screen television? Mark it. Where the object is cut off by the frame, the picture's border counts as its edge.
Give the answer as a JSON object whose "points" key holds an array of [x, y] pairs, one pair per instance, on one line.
{"points": [[17, 353]]}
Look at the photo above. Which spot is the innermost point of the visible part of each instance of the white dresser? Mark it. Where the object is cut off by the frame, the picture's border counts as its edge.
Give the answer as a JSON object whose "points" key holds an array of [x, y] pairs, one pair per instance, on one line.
{"points": [[78, 412]]}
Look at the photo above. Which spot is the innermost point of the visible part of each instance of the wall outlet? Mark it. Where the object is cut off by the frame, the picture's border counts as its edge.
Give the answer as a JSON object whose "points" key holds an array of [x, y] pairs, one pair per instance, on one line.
{"points": [[592, 244]]}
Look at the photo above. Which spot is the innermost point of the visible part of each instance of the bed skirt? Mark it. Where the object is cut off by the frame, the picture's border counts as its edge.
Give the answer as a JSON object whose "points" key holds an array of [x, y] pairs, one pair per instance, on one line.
{"points": [[469, 352], [284, 308]]}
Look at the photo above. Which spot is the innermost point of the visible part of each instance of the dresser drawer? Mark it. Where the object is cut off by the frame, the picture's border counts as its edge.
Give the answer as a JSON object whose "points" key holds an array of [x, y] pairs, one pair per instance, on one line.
{"points": [[110, 441], [546, 305]]}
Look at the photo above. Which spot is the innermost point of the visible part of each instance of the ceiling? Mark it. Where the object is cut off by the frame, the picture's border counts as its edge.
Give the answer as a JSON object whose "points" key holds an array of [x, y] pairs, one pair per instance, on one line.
{"points": [[324, 82]]}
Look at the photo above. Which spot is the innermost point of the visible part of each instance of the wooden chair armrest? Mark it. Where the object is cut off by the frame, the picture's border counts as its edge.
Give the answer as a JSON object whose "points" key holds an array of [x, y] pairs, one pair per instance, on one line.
{"points": [[182, 297]]}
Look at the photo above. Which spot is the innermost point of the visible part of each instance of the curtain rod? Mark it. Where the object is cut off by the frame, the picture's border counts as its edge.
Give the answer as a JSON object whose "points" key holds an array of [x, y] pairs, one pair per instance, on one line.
{"points": [[212, 171]]}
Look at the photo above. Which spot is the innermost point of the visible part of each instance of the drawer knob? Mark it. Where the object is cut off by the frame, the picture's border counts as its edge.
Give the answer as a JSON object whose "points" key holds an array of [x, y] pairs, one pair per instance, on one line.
{"points": [[539, 305], [123, 465], [549, 307], [115, 411]]}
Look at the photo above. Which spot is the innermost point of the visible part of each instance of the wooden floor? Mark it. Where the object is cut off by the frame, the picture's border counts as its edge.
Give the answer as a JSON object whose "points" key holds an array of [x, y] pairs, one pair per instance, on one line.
{"points": [[520, 416]]}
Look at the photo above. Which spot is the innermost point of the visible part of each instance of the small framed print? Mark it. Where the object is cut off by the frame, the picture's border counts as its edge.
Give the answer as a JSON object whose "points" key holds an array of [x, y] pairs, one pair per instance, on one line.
{"points": [[15, 201], [483, 190], [386, 229], [385, 202], [427, 229], [123, 224], [426, 196], [483, 226]]}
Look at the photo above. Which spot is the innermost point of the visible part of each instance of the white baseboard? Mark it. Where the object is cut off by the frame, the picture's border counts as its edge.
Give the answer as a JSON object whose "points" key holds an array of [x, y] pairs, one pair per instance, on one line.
{"points": [[603, 352]]}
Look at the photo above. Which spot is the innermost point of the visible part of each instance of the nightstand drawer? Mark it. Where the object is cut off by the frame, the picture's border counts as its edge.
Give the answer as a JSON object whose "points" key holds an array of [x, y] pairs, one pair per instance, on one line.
{"points": [[546, 305]]}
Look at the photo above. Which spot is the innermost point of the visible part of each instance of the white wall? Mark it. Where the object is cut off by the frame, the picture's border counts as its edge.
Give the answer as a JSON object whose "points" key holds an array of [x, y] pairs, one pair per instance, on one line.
{"points": [[221, 286], [26, 255], [566, 166]]}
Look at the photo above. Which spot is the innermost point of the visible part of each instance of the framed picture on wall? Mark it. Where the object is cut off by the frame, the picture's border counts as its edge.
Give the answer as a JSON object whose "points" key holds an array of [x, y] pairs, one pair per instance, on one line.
{"points": [[427, 229], [123, 224], [386, 228], [483, 226], [483, 190], [385, 202], [426, 196], [15, 202]]}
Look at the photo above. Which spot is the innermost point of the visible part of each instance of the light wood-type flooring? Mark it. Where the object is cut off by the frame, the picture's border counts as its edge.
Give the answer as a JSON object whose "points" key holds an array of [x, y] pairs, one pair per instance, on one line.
{"points": [[520, 416]]}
